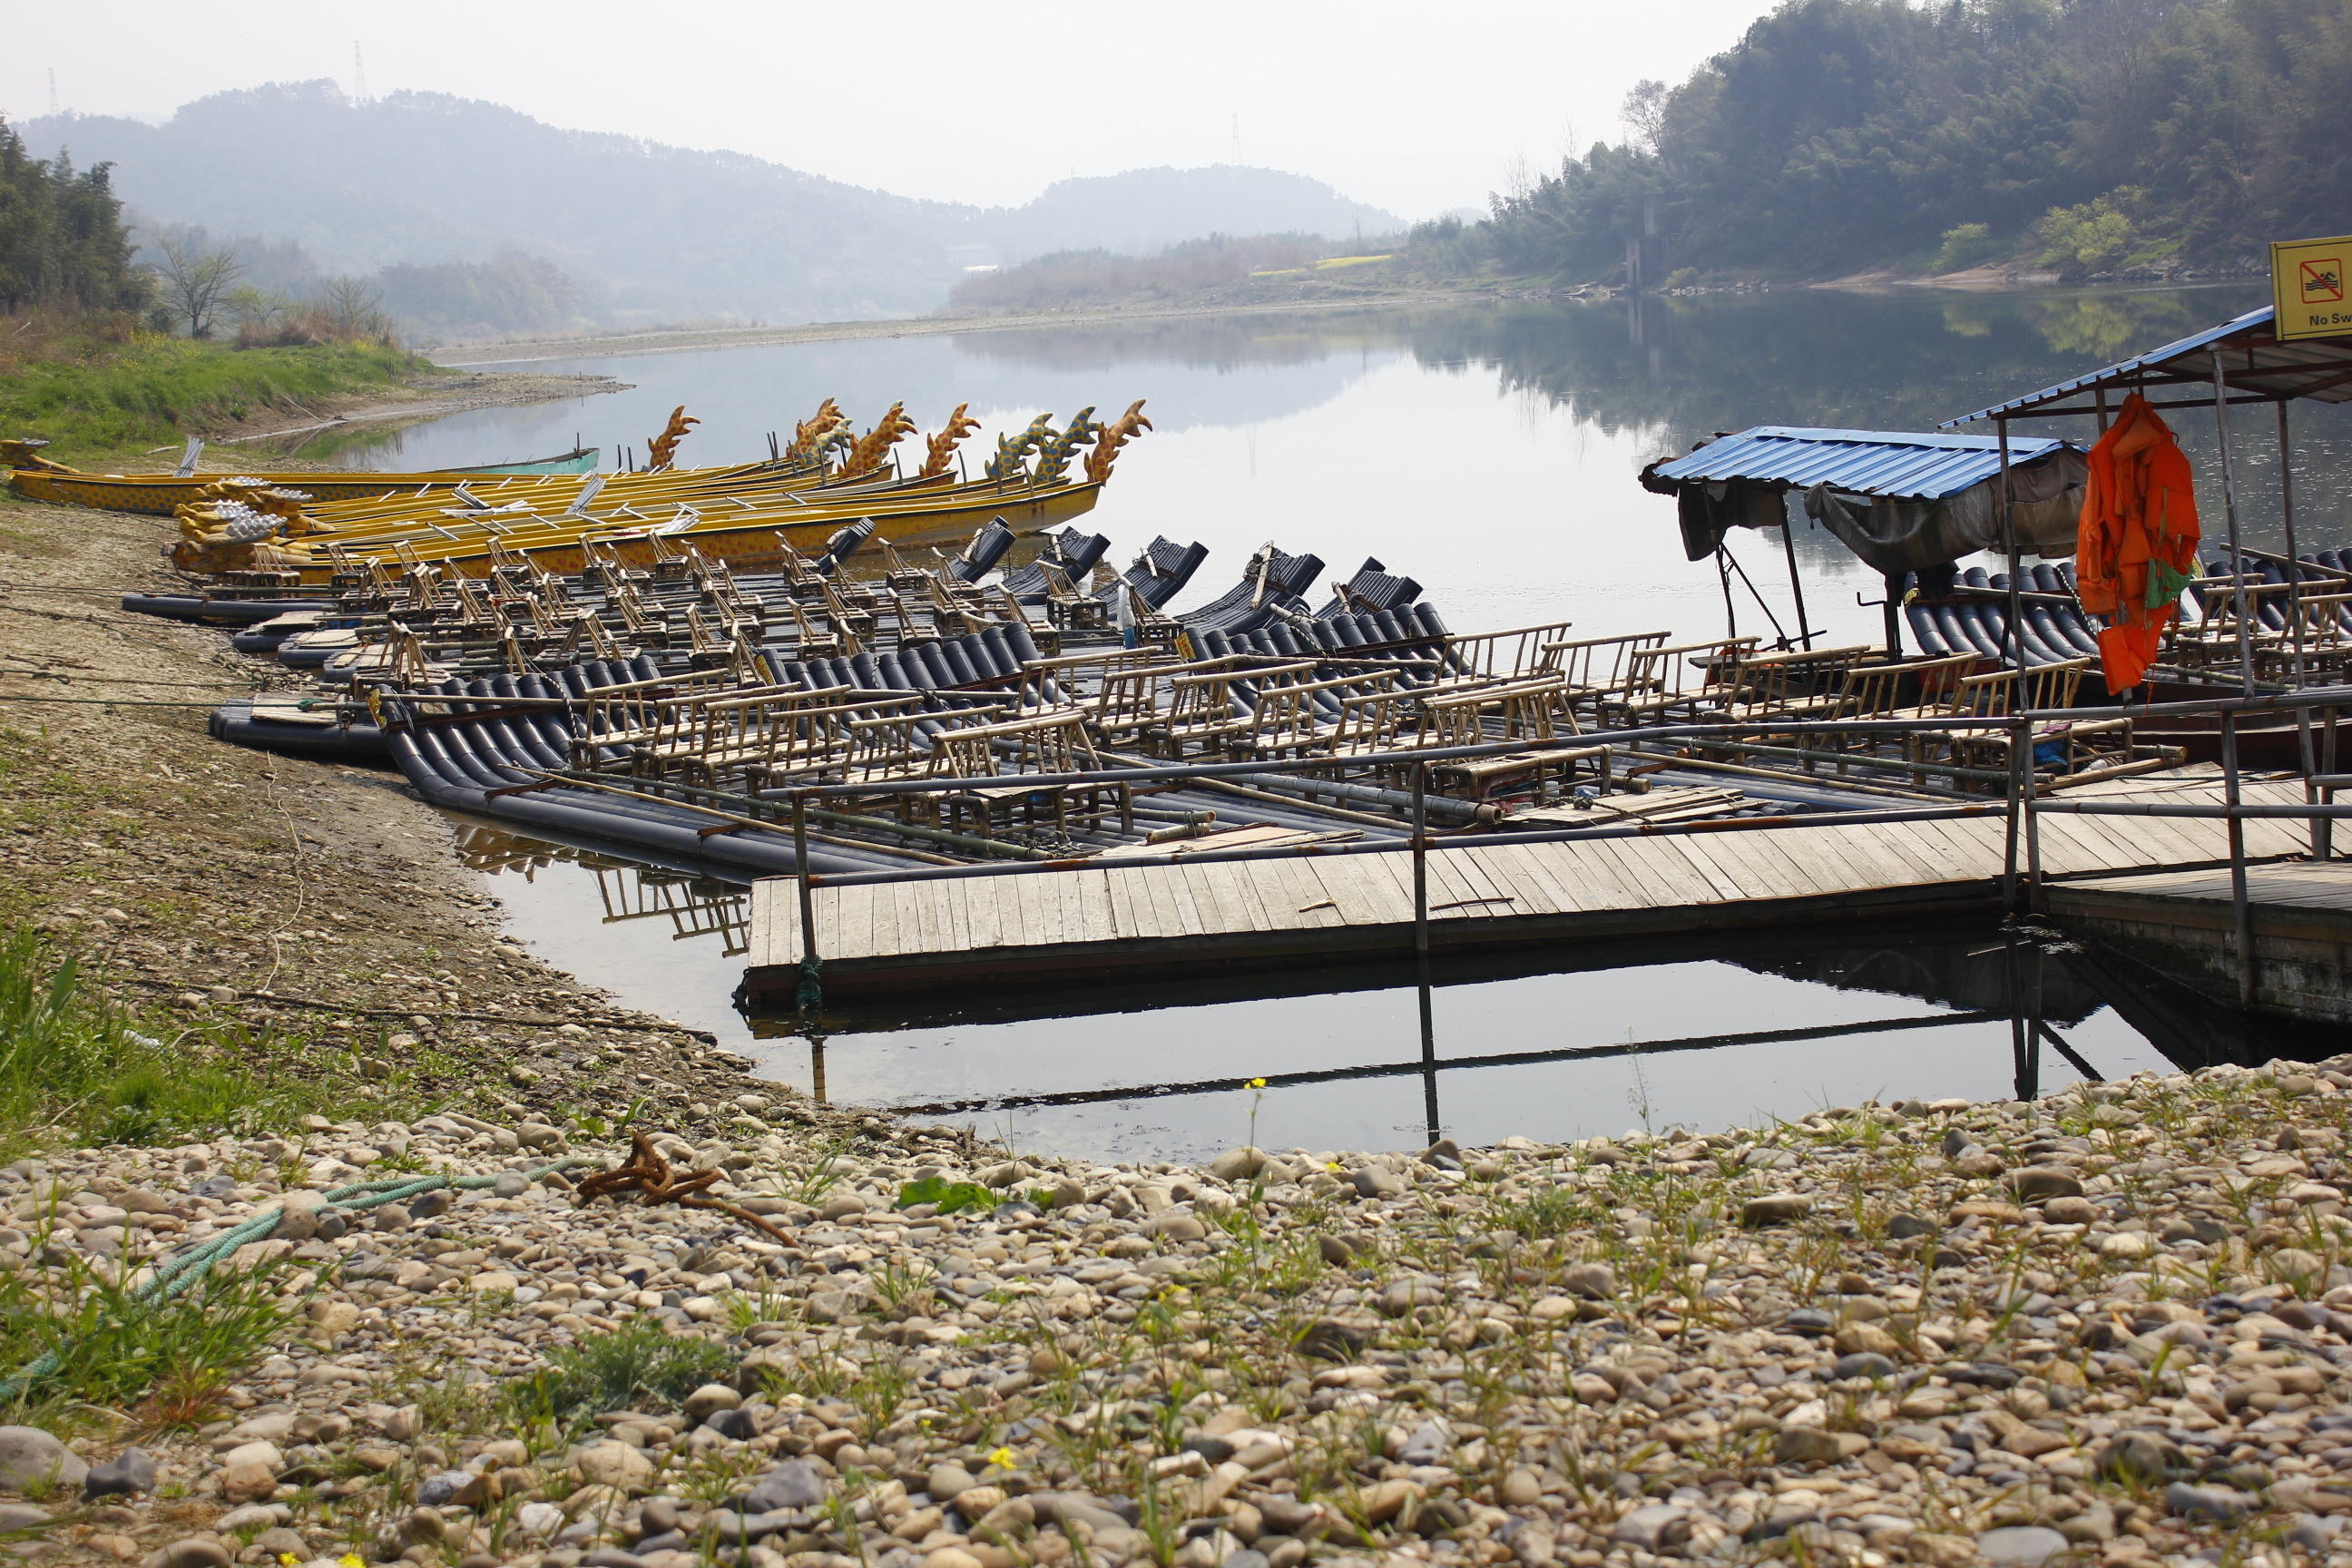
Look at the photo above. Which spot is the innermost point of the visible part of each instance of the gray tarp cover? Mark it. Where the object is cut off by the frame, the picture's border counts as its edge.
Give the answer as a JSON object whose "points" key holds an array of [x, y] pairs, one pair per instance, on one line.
{"points": [[1708, 509], [1899, 536]]}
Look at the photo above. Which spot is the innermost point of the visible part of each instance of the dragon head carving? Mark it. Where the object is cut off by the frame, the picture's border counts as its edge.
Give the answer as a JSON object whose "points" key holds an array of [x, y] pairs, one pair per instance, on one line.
{"points": [[661, 452], [1011, 451], [1114, 435], [1053, 457], [866, 454], [938, 448], [809, 436]]}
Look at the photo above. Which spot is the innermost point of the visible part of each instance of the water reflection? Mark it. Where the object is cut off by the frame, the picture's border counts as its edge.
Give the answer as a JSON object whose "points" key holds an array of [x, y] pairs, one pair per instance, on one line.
{"points": [[1488, 449], [1702, 1031]]}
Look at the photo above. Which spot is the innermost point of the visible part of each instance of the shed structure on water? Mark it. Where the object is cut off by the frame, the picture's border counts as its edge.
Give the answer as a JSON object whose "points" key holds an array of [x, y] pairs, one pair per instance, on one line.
{"points": [[1902, 501]]}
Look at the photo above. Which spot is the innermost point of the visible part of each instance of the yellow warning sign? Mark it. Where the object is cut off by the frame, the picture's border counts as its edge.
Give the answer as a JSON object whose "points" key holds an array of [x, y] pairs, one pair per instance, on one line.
{"points": [[2307, 286]]}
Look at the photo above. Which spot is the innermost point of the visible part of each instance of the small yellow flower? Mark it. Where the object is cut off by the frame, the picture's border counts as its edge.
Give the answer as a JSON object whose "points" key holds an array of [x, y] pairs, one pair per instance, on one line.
{"points": [[1336, 1168], [287, 1560], [1258, 1083], [1004, 1458], [350, 1560]]}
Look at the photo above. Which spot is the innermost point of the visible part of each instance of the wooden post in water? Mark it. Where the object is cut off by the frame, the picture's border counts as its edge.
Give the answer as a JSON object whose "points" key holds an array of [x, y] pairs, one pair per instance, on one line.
{"points": [[2238, 908], [2229, 515]]}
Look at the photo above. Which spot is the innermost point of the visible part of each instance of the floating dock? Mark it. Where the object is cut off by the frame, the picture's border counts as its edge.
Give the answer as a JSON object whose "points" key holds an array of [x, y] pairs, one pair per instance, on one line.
{"points": [[2183, 923], [1082, 924]]}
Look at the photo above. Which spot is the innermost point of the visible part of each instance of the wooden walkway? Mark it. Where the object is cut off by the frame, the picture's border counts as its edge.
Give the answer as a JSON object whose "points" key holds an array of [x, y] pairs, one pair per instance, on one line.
{"points": [[1175, 919]]}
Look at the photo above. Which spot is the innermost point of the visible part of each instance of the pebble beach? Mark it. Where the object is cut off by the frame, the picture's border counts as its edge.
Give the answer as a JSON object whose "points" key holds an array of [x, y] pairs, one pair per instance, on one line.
{"points": [[2109, 1325]]}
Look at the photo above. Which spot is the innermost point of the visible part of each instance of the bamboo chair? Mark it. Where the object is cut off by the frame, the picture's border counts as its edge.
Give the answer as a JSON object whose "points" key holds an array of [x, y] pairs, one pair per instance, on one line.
{"points": [[814, 644], [1204, 707], [1068, 606], [898, 574], [1044, 743], [1686, 679], [1044, 634], [1284, 716]]}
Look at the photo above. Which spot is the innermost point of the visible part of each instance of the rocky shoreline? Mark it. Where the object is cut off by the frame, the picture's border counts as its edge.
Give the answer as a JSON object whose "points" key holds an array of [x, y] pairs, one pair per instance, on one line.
{"points": [[2110, 1325]]}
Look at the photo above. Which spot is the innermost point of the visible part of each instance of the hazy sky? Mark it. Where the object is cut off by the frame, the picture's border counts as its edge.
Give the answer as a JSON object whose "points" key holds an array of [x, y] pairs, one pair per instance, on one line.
{"points": [[1414, 108]]}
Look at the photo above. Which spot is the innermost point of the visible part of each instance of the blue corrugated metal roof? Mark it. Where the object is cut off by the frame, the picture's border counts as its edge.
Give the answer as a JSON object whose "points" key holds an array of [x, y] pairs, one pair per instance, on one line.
{"points": [[2122, 368], [1864, 462]]}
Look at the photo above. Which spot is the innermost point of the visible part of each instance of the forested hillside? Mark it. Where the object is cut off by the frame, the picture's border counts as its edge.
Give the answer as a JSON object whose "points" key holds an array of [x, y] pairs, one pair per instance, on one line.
{"points": [[61, 238], [2089, 136]]}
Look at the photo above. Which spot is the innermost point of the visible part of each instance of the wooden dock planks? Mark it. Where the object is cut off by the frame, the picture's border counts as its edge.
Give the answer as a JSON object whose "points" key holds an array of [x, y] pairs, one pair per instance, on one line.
{"points": [[1147, 916]]}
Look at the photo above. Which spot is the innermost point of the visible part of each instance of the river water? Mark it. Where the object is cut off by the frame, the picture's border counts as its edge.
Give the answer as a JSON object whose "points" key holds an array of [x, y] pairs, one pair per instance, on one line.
{"points": [[1490, 452]]}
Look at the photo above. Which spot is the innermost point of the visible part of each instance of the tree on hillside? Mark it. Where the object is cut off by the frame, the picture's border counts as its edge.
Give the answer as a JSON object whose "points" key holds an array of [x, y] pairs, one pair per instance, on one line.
{"points": [[1839, 134], [196, 282], [62, 242]]}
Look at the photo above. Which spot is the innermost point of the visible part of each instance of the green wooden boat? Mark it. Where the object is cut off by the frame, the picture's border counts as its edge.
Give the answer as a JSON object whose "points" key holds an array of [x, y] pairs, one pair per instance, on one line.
{"points": [[579, 460]]}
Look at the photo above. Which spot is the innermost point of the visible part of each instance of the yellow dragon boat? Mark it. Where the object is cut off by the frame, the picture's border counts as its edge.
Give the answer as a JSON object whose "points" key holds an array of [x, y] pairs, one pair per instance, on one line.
{"points": [[726, 514], [38, 479]]}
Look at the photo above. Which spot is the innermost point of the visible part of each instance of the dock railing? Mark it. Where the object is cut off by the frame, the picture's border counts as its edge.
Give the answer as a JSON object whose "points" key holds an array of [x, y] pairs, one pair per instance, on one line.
{"points": [[2021, 808]]}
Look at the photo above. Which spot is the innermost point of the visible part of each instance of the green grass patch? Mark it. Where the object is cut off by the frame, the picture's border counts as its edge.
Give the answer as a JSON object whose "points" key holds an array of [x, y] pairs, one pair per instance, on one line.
{"points": [[128, 398], [74, 1068], [639, 1366], [115, 1350]]}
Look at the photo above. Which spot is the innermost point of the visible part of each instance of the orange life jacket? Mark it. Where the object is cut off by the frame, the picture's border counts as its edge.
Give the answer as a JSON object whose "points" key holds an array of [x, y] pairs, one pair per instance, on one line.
{"points": [[2137, 547]]}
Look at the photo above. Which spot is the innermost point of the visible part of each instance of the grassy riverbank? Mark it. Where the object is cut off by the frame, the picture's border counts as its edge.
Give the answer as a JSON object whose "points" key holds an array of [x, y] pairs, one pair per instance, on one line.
{"points": [[95, 395]]}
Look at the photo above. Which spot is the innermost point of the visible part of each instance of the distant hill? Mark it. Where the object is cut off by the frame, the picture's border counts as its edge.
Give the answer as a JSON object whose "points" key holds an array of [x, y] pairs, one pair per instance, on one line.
{"points": [[672, 234], [1145, 210]]}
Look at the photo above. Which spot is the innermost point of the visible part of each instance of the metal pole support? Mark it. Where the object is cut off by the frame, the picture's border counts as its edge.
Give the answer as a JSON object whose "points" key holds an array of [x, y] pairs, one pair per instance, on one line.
{"points": [[2230, 516], [1421, 859], [2240, 908], [2295, 625], [2020, 739], [808, 895]]}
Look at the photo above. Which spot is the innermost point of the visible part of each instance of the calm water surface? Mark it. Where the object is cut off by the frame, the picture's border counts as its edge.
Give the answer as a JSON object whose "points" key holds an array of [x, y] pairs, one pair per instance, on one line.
{"points": [[1696, 1036], [1490, 452]]}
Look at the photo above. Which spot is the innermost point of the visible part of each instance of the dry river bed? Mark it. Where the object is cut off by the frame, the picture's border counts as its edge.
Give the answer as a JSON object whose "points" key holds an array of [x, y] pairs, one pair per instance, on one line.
{"points": [[2107, 1325]]}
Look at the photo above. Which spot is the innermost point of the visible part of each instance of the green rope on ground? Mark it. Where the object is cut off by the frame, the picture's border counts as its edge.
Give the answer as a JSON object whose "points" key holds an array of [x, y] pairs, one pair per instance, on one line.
{"points": [[811, 995], [175, 1275]]}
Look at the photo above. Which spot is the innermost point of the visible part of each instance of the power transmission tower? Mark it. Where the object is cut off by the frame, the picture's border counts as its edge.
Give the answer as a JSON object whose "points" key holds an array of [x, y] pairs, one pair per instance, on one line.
{"points": [[53, 89], [359, 75], [1238, 138]]}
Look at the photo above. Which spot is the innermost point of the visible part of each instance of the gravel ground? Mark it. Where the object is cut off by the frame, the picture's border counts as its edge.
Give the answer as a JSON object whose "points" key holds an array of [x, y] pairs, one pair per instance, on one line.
{"points": [[319, 906], [2108, 1325]]}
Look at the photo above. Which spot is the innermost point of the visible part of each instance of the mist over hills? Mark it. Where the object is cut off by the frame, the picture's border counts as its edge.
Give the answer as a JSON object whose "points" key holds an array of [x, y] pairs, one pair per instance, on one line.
{"points": [[669, 233]]}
